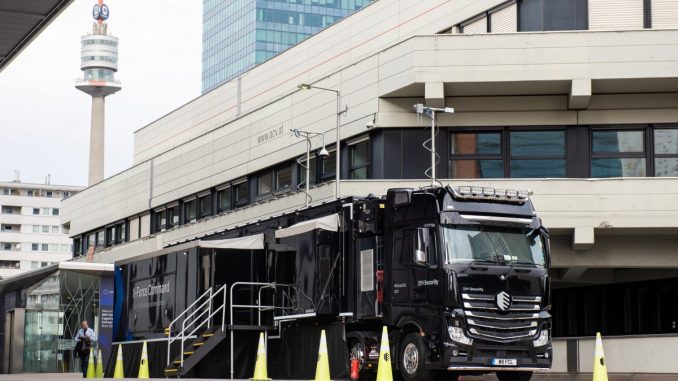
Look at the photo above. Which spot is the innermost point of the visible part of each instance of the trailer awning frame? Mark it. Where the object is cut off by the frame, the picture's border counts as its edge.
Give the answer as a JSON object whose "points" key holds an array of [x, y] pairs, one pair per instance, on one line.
{"points": [[330, 223], [250, 242]]}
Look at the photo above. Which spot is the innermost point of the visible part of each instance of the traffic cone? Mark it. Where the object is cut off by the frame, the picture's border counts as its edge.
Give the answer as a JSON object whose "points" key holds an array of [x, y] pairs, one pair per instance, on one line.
{"points": [[91, 370], [322, 370], [100, 365], [260, 371], [143, 366], [599, 366], [355, 369], [384, 372], [119, 370]]}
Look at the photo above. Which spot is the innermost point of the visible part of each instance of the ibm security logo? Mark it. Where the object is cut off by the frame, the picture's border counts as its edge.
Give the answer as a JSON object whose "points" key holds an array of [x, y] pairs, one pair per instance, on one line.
{"points": [[503, 300]]}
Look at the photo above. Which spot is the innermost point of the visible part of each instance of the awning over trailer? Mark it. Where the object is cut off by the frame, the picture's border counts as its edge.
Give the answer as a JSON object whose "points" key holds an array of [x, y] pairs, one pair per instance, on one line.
{"points": [[250, 242], [329, 223]]}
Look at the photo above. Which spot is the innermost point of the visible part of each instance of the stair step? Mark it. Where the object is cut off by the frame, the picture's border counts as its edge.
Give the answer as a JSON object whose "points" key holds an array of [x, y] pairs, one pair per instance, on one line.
{"points": [[198, 343], [188, 353], [171, 370], [210, 334], [251, 327]]}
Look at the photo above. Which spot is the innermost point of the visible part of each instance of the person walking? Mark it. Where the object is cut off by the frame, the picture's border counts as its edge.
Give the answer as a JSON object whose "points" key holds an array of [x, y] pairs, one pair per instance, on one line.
{"points": [[83, 344]]}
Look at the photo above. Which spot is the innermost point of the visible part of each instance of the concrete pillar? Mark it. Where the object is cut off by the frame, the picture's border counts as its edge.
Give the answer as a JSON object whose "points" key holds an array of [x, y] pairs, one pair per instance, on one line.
{"points": [[96, 141]]}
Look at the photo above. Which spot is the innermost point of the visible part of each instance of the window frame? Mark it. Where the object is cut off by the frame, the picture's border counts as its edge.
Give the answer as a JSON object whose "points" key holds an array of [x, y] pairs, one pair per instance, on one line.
{"points": [[647, 153], [352, 168]]}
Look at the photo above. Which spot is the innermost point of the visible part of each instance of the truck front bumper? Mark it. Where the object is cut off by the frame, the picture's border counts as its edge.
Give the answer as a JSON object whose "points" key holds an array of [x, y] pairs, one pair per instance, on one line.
{"points": [[481, 357]]}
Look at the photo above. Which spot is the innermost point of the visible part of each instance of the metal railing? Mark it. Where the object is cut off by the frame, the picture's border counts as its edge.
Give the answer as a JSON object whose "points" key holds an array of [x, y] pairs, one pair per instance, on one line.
{"points": [[287, 304], [204, 309]]}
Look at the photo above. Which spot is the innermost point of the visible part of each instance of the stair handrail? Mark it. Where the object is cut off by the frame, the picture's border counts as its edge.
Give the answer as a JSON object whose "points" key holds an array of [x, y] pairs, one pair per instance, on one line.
{"points": [[192, 320], [259, 307], [170, 340]]}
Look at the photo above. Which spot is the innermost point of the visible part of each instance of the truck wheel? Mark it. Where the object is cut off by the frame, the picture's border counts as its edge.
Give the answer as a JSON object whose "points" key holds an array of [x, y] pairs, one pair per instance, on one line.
{"points": [[412, 359], [514, 376]]}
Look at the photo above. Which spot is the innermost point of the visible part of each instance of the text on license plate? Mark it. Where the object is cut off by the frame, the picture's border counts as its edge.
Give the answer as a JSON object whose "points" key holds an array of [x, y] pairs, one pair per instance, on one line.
{"points": [[504, 362]]}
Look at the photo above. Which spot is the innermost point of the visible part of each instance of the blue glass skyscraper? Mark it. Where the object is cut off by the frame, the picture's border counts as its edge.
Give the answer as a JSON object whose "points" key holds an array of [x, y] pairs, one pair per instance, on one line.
{"points": [[240, 34]]}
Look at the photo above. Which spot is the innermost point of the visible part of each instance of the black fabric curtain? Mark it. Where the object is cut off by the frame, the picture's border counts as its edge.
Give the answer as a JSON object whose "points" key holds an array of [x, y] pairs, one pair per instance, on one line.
{"points": [[299, 352], [131, 357]]}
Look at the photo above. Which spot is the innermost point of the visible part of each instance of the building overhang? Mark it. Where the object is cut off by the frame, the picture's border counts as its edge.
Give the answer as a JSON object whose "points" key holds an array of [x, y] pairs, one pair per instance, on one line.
{"points": [[644, 61], [22, 21]]}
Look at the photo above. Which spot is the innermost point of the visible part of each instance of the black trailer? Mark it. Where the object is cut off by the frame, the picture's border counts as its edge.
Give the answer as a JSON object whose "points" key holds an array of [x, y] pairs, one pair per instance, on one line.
{"points": [[458, 275]]}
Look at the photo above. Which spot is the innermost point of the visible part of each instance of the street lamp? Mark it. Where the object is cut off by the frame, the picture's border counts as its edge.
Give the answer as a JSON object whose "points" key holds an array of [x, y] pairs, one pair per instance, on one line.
{"points": [[323, 154], [305, 86], [421, 109]]}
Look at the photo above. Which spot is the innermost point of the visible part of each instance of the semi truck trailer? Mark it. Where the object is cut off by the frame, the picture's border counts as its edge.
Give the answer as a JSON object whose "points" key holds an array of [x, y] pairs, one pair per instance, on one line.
{"points": [[459, 275]]}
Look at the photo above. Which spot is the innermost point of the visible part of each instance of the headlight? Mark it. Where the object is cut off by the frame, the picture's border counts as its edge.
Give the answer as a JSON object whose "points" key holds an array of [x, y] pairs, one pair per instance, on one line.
{"points": [[457, 334], [543, 338]]}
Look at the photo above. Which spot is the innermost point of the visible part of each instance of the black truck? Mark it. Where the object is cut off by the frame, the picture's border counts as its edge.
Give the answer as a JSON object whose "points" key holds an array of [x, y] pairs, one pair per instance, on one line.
{"points": [[458, 275]]}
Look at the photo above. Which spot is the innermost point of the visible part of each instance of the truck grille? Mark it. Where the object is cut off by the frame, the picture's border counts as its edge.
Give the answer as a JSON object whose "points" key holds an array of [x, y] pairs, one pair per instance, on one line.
{"points": [[485, 320]]}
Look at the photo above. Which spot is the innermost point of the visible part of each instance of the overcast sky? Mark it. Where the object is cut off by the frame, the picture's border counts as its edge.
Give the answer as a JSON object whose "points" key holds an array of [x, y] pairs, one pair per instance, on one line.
{"points": [[45, 121]]}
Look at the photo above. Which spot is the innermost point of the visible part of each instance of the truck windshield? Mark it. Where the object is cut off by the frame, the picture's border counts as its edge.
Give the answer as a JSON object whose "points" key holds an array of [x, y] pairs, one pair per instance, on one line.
{"points": [[471, 243]]}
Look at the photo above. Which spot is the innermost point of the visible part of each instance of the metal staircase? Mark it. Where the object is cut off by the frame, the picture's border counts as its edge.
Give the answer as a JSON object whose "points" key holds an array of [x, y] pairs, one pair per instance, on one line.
{"points": [[197, 331]]}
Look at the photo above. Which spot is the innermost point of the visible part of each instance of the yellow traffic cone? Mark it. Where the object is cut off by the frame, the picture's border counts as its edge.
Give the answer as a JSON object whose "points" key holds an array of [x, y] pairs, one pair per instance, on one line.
{"points": [[322, 370], [91, 370], [384, 372], [119, 370], [100, 365], [260, 371], [599, 365], [143, 366]]}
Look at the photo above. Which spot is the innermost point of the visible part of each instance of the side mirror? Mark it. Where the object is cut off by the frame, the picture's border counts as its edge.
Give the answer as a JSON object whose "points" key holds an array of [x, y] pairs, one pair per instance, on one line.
{"points": [[421, 244]]}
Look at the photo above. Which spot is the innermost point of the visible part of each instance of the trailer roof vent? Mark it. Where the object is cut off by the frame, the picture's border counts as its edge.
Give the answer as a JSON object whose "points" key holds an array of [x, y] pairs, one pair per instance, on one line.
{"points": [[399, 197], [491, 194]]}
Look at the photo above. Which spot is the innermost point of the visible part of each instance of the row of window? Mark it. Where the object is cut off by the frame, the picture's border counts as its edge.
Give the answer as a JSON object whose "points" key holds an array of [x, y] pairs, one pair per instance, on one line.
{"points": [[99, 42], [8, 209], [509, 153], [35, 228], [16, 246], [35, 193]]}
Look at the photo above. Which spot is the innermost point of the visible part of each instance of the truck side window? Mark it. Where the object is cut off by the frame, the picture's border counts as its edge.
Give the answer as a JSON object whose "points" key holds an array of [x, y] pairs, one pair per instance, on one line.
{"points": [[425, 252]]}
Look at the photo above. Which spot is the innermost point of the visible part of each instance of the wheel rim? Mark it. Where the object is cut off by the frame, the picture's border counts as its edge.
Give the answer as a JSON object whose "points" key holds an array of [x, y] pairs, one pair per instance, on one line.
{"points": [[358, 352], [411, 358]]}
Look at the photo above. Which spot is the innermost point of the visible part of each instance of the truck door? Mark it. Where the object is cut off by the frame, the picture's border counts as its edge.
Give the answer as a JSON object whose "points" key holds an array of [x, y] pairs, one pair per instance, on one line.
{"points": [[424, 267]]}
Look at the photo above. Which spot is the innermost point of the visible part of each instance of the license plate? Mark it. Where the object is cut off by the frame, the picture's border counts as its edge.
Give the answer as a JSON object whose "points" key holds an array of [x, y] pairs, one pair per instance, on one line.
{"points": [[504, 362]]}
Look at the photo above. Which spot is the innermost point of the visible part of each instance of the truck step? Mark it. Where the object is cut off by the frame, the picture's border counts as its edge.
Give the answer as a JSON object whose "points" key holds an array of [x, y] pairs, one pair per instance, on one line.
{"points": [[251, 327]]}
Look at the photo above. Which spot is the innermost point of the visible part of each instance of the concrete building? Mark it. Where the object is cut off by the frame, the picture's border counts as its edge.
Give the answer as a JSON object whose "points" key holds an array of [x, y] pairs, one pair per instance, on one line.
{"points": [[31, 233], [237, 35], [576, 100], [99, 62]]}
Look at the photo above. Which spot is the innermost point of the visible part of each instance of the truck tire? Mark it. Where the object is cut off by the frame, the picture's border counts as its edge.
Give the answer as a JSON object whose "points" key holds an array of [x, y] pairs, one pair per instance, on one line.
{"points": [[412, 359], [514, 376]]}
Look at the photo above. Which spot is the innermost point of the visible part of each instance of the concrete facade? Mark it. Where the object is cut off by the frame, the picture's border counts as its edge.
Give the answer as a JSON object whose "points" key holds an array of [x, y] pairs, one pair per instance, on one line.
{"points": [[617, 74]]}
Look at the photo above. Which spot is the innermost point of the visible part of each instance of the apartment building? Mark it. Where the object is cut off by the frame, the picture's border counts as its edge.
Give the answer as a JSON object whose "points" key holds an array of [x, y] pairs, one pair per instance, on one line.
{"points": [[31, 233]]}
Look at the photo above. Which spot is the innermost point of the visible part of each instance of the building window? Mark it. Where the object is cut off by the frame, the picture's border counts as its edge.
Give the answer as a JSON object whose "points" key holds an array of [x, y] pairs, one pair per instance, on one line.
{"points": [[476, 155], [159, 220], [618, 153], [537, 154], [36, 228], [67, 194], [44, 247], [100, 239], [110, 236], [265, 183], [77, 244], [190, 210], [36, 211], [55, 211], [328, 166], [30, 192], [359, 155], [666, 152], [224, 199], [240, 194], [283, 178], [508, 153], [55, 229], [172, 216], [547, 15], [313, 170], [45, 229], [205, 205], [49, 194]]}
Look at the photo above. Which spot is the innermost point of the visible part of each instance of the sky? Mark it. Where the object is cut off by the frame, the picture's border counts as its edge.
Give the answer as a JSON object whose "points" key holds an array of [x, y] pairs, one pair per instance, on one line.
{"points": [[45, 120]]}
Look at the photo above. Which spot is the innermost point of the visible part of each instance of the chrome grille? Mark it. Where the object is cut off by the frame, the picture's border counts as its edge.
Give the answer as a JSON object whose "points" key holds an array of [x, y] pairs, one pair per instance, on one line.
{"points": [[485, 320]]}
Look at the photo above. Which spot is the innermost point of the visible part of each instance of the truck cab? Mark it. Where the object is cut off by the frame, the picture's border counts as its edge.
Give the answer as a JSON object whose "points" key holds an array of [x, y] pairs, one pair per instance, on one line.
{"points": [[466, 282]]}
